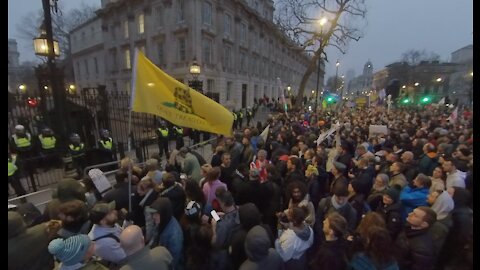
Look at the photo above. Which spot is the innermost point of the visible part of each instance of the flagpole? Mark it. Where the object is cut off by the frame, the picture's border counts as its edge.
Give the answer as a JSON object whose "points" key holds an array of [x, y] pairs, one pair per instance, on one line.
{"points": [[129, 142]]}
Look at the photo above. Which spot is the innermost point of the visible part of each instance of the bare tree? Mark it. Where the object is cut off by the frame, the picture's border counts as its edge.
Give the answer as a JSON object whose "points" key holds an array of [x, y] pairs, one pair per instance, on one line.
{"points": [[62, 24], [413, 57], [300, 20]]}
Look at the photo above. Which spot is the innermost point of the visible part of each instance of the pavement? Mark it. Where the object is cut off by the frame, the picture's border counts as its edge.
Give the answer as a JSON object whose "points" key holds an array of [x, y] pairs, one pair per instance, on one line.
{"points": [[47, 181]]}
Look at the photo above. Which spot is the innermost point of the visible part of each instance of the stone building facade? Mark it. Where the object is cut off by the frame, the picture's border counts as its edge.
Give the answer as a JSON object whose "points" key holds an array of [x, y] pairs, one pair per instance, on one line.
{"points": [[241, 52]]}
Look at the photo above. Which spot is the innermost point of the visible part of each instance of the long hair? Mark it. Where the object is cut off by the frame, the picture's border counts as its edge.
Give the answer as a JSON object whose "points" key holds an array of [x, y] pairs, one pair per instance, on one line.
{"points": [[379, 246]]}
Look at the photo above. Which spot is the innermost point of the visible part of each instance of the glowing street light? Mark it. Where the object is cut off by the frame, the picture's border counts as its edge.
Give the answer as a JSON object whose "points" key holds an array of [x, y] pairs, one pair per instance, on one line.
{"points": [[323, 21], [404, 86], [417, 84], [439, 79]]}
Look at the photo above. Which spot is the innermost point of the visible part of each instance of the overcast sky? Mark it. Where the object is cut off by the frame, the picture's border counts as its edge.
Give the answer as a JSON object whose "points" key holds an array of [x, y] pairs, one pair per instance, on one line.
{"points": [[393, 27]]}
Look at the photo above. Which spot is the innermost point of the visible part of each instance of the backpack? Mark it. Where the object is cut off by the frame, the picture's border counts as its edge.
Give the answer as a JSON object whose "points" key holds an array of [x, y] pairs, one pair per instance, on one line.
{"points": [[108, 235]]}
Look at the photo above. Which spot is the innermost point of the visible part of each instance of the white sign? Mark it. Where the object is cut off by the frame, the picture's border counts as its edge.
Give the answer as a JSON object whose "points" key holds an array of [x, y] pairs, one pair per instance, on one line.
{"points": [[377, 129]]}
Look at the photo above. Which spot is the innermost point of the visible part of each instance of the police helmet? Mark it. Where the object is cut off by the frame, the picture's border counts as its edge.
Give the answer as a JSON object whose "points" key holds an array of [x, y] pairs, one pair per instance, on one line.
{"points": [[104, 133], [19, 128], [74, 137], [47, 131]]}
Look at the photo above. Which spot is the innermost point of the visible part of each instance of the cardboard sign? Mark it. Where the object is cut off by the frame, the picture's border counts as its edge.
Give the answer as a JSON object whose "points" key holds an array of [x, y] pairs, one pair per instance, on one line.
{"points": [[377, 129]]}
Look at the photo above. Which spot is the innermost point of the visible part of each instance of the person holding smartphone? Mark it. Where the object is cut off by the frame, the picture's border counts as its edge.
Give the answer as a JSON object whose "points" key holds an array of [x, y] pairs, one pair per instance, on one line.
{"points": [[228, 220]]}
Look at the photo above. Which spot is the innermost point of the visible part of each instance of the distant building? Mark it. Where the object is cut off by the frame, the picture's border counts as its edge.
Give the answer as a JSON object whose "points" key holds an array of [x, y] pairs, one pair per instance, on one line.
{"points": [[14, 68], [461, 81], [241, 52], [426, 78], [363, 82]]}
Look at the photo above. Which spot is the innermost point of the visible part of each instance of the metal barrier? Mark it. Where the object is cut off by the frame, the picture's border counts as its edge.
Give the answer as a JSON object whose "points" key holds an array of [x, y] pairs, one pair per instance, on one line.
{"points": [[41, 202]]}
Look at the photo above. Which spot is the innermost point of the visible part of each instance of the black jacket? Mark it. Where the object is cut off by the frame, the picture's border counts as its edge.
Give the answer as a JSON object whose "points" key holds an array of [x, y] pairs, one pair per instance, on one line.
{"points": [[331, 255], [119, 194], [393, 218], [414, 249]]}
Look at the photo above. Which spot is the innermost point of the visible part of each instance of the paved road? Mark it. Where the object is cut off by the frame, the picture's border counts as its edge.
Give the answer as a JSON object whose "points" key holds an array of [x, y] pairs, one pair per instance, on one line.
{"points": [[42, 196]]}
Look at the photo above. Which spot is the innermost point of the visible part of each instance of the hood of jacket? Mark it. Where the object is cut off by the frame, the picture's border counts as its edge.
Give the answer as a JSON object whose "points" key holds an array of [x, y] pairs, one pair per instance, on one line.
{"points": [[257, 244], [16, 225], [304, 233], [249, 216], [443, 205]]}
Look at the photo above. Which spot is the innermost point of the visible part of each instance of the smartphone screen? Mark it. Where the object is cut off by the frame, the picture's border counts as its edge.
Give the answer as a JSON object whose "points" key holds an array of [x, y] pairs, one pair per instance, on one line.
{"points": [[215, 215]]}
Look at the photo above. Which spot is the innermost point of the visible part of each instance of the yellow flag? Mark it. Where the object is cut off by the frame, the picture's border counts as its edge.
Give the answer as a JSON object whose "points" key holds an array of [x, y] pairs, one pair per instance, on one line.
{"points": [[155, 92]]}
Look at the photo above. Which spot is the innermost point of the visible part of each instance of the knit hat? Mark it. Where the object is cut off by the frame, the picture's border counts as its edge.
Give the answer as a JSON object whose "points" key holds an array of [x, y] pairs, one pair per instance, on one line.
{"points": [[70, 251], [393, 193], [192, 209]]}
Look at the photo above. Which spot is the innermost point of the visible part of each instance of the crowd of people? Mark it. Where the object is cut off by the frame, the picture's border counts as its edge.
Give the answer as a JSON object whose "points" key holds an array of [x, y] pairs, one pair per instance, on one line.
{"points": [[352, 200]]}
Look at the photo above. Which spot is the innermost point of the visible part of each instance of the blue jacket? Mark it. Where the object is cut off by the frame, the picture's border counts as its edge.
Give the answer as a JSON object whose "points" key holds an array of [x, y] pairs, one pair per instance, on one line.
{"points": [[412, 198], [361, 261], [172, 239]]}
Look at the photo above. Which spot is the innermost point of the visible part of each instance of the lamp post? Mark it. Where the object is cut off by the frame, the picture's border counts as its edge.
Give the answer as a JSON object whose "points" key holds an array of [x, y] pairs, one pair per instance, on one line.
{"points": [[336, 75], [322, 22], [45, 45], [195, 71]]}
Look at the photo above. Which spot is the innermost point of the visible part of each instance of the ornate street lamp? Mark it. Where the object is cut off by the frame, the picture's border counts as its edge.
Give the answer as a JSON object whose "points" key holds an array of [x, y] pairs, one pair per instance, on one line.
{"points": [[195, 71], [40, 43]]}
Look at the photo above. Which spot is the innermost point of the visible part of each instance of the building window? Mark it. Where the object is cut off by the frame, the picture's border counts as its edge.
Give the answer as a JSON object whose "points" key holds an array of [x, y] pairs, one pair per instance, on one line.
{"points": [[159, 16], [243, 32], [207, 13], [181, 49], [227, 24], [113, 56], [127, 86], [229, 90], [161, 54], [86, 67], [95, 62], [227, 56], [207, 51], [242, 62], [125, 29], [113, 29], [181, 11], [79, 72], [210, 85], [141, 23], [128, 64]]}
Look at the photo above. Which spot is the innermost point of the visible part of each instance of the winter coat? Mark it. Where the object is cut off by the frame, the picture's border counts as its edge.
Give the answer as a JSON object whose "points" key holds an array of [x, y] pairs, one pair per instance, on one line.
{"points": [[414, 249], [310, 219], [259, 251], [331, 255], [27, 247], [362, 261], [393, 218], [427, 163], [191, 167], [326, 207], [209, 189], [158, 258], [107, 248], [172, 239], [119, 194], [292, 245], [412, 198], [177, 197], [399, 180]]}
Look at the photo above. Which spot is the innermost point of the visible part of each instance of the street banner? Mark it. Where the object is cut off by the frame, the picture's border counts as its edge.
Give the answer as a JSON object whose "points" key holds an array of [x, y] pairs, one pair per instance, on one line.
{"points": [[155, 92], [377, 129], [264, 134]]}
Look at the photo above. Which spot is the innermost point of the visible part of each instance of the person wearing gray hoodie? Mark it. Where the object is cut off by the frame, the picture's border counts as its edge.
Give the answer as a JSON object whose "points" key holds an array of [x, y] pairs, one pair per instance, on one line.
{"points": [[442, 203], [260, 254]]}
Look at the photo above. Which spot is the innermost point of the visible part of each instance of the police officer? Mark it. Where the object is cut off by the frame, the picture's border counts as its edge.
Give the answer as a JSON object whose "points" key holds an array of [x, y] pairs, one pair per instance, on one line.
{"points": [[235, 120], [48, 148], [249, 115], [178, 137], [163, 135], [22, 145], [105, 146], [76, 149], [13, 177], [240, 118]]}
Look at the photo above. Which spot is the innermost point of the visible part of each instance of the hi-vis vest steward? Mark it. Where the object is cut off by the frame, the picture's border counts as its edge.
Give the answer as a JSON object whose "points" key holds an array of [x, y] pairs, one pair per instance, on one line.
{"points": [[47, 142], [240, 114], [21, 142], [179, 130], [76, 149], [164, 132], [12, 168], [234, 117], [107, 144]]}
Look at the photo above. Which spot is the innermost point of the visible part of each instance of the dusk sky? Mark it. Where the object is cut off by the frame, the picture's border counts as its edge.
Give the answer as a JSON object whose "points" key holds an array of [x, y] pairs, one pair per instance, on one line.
{"points": [[393, 27]]}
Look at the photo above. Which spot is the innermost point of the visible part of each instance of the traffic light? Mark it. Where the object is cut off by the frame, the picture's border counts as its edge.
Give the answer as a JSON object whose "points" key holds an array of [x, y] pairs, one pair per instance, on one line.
{"points": [[405, 101], [425, 100], [32, 102]]}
